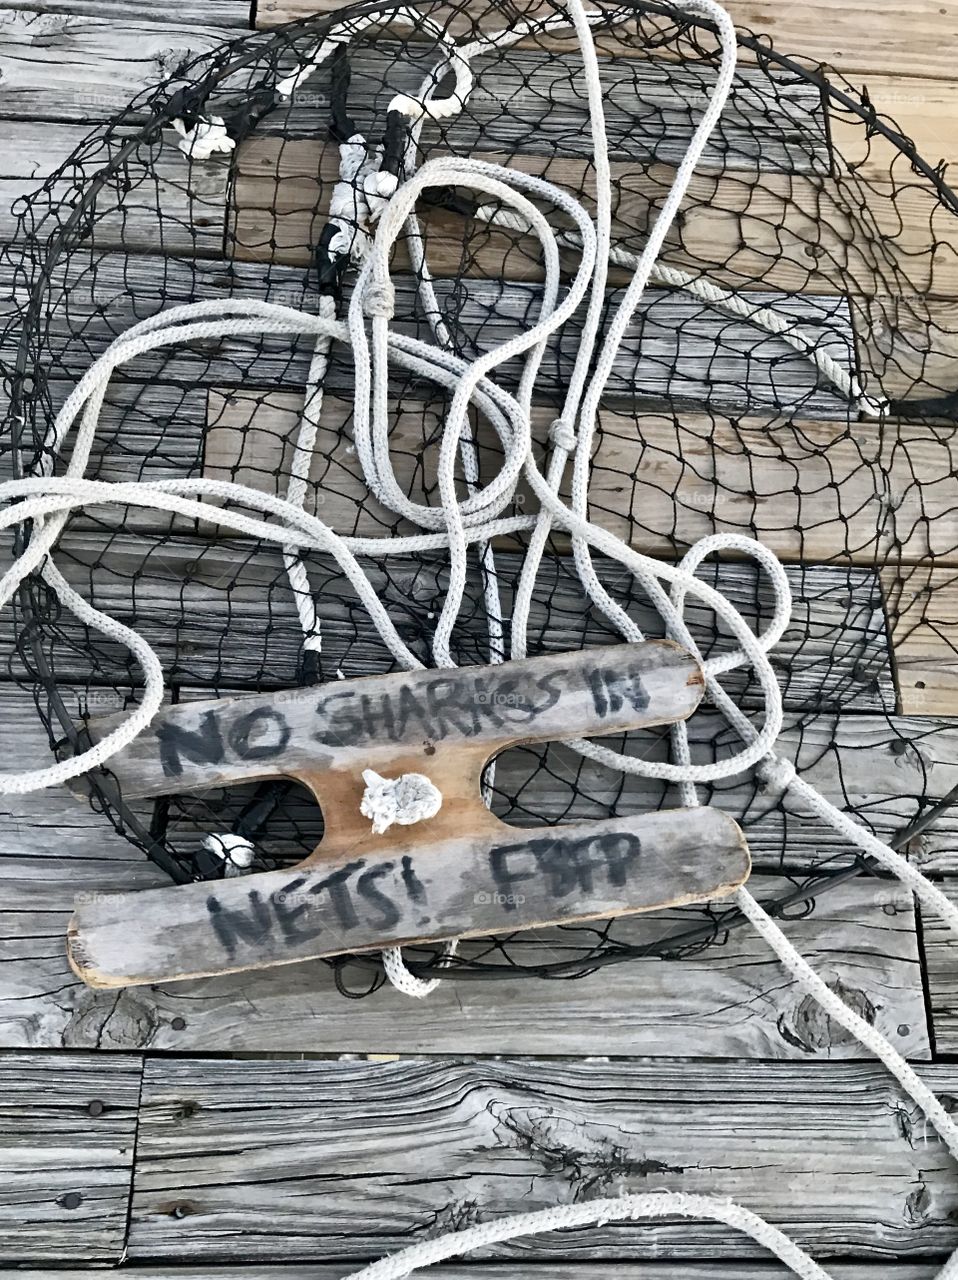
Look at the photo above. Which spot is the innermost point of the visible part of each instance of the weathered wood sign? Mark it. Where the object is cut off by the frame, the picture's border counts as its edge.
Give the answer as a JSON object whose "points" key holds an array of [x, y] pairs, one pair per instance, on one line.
{"points": [[458, 873]]}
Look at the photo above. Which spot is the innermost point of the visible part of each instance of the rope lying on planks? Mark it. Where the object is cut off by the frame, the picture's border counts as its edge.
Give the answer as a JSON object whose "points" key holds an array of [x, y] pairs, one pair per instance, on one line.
{"points": [[628, 1208], [389, 205]]}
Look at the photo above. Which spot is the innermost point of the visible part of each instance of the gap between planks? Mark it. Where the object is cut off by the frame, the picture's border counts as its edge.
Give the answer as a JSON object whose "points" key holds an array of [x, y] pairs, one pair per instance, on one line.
{"points": [[68, 1125]]}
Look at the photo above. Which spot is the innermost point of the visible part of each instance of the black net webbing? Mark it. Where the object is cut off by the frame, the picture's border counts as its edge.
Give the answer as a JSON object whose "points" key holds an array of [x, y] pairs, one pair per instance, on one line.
{"points": [[806, 201]]}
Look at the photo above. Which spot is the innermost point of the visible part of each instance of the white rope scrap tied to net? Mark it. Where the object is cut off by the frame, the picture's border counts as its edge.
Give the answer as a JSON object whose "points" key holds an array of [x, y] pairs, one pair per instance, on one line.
{"points": [[372, 209]]}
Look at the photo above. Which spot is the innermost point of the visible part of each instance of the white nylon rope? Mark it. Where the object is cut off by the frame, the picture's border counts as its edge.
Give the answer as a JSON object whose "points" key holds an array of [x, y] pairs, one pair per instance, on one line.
{"points": [[479, 518]]}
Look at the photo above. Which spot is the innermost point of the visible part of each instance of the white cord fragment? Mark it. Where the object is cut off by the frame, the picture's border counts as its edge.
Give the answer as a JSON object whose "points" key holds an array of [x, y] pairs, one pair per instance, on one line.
{"points": [[235, 852], [405, 800], [208, 137]]}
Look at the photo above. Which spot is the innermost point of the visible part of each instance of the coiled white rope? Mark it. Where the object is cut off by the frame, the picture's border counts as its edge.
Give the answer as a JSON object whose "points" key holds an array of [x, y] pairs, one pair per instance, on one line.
{"points": [[477, 520]]}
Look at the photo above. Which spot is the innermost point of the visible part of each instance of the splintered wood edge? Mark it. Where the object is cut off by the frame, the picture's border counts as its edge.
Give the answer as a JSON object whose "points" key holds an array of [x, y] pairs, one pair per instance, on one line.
{"points": [[189, 931]]}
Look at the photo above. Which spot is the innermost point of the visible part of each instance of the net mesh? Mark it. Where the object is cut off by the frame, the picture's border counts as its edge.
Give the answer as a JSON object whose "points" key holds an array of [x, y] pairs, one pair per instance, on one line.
{"points": [[806, 200]]}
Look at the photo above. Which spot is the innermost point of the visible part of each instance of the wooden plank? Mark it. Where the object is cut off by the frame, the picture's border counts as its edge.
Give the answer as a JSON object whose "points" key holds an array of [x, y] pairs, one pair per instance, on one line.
{"points": [[923, 607], [66, 1152], [862, 36], [808, 490], [717, 1000], [675, 348], [940, 963], [380, 722], [534, 99], [795, 233], [225, 13], [419, 888], [468, 1270], [835, 653], [177, 208], [329, 1161], [923, 110], [57, 854], [55, 68]]}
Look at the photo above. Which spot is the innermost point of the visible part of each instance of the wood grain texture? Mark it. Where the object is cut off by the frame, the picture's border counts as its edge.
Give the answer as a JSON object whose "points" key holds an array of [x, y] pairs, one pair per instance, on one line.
{"points": [[939, 950], [517, 1271], [846, 1166], [923, 606], [860, 36], [675, 347], [853, 492], [225, 13], [847, 234], [205, 635], [56, 854], [55, 69], [179, 207], [66, 1169]]}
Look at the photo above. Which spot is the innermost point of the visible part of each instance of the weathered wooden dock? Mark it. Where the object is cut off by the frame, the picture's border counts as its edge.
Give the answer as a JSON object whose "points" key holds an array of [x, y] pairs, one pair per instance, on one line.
{"points": [[261, 1126]]}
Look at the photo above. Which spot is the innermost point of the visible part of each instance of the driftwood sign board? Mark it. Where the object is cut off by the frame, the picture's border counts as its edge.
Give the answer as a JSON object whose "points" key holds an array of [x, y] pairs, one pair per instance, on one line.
{"points": [[460, 872]]}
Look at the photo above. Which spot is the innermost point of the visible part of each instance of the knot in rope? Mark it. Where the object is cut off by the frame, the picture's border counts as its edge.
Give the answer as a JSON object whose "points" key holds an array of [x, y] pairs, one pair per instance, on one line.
{"points": [[405, 800], [562, 435], [380, 300], [774, 771]]}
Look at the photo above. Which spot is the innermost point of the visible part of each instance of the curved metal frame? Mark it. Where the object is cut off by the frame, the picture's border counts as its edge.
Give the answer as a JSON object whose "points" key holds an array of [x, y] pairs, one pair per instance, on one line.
{"points": [[105, 790]]}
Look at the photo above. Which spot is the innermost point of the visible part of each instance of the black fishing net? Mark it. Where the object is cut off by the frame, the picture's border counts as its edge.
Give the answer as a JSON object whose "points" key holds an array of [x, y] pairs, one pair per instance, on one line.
{"points": [[806, 201]]}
